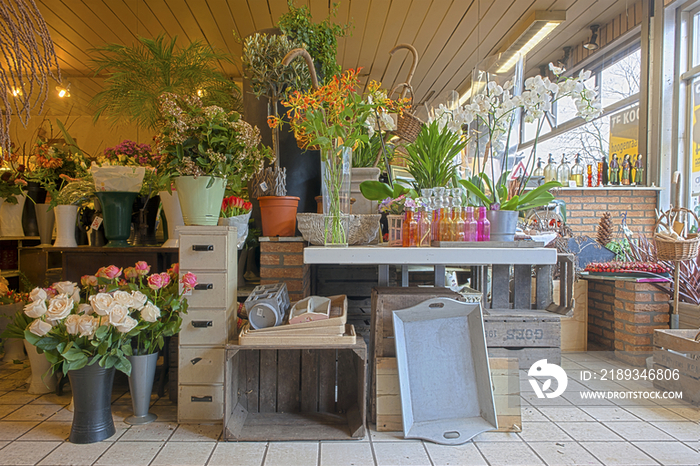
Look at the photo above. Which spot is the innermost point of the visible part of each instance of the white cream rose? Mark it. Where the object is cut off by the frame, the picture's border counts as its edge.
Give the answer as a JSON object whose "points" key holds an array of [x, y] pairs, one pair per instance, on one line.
{"points": [[84, 309], [150, 312], [35, 309], [59, 308], [138, 300], [40, 328], [72, 322], [126, 325], [101, 303], [87, 326], [117, 314], [66, 288], [122, 297], [76, 295], [38, 294]]}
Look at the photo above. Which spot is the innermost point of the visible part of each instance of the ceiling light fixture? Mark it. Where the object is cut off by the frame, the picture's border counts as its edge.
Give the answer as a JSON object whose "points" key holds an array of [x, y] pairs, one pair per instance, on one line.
{"points": [[525, 38], [592, 44], [63, 91]]}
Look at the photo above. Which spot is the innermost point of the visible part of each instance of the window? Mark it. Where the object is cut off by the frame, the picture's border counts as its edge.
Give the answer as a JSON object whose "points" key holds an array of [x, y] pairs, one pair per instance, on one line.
{"points": [[691, 77]]}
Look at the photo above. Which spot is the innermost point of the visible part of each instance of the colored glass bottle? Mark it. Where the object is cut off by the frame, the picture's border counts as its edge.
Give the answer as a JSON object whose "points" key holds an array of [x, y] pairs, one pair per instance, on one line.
{"points": [[483, 226], [470, 225], [424, 223], [409, 234], [437, 210], [590, 176], [550, 171], [577, 172], [600, 174]]}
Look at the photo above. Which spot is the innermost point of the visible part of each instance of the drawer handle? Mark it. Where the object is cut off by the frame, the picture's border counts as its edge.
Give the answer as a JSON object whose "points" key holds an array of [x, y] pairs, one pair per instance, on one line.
{"points": [[202, 247], [195, 361], [201, 399], [204, 286], [202, 323]]}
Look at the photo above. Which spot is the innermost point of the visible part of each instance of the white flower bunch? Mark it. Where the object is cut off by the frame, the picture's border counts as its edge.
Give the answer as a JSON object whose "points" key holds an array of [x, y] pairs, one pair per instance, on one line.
{"points": [[453, 119], [385, 122], [119, 305]]}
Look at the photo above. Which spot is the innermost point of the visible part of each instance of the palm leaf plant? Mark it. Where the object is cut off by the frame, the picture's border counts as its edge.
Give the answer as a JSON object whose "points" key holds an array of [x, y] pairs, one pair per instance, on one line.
{"points": [[431, 158], [139, 74]]}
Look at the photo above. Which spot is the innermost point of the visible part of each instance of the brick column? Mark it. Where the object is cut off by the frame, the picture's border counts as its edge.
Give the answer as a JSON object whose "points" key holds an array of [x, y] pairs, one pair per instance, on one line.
{"points": [[601, 319], [639, 309], [282, 260]]}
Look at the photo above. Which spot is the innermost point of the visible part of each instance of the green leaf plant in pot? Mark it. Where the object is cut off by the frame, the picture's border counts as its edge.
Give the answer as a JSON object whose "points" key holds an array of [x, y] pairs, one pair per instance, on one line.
{"points": [[494, 112], [204, 147]]}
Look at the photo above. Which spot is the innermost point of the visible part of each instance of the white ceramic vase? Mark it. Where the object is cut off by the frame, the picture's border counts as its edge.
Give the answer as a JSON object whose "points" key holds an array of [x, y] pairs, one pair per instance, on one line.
{"points": [[65, 226], [173, 215], [43, 381], [11, 217]]}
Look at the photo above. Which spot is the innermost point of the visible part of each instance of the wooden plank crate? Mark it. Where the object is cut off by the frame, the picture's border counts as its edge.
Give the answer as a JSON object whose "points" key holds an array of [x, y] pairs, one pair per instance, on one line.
{"points": [[506, 392], [295, 393], [677, 349]]}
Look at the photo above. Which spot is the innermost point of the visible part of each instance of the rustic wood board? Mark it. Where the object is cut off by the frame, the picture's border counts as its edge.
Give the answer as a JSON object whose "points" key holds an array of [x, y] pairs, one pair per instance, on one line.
{"points": [[574, 329], [285, 339], [689, 316], [681, 340], [527, 356], [529, 329], [506, 391], [689, 386], [688, 365], [489, 244]]}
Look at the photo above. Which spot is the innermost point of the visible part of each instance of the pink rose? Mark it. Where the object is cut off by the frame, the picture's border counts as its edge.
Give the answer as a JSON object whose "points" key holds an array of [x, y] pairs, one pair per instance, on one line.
{"points": [[189, 280], [111, 272], [155, 281], [130, 272], [142, 268], [88, 280], [165, 277]]}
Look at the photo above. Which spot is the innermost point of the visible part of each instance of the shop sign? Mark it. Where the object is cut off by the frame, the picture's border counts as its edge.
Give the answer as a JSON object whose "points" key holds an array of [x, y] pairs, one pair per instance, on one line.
{"points": [[695, 136], [624, 134]]}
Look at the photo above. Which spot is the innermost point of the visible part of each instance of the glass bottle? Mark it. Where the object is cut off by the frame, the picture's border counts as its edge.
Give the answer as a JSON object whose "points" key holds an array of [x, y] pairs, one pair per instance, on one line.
{"points": [[590, 176], [563, 171], [437, 210], [605, 178], [600, 174], [446, 218], [550, 171], [470, 225], [409, 234], [483, 226], [457, 217], [539, 171], [424, 223], [577, 172]]}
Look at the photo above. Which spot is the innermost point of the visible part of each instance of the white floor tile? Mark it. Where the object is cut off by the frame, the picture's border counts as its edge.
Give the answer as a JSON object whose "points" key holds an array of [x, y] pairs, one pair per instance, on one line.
{"points": [[292, 453], [21, 453], [10, 430], [637, 431], [49, 430], [388, 436], [53, 399], [62, 415], [130, 453], [589, 431], [508, 454], [246, 453], [542, 432], [563, 453], [458, 455], [74, 454], [497, 437], [689, 412], [530, 413], [654, 414], [17, 398], [545, 402], [686, 431], [184, 454], [618, 454], [197, 432], [153, 432], [670, 453], [400, 454], [348, 453], [8, 409], [616, 413], [576, 399], [165, 413], [33, 413], [563, 413]]}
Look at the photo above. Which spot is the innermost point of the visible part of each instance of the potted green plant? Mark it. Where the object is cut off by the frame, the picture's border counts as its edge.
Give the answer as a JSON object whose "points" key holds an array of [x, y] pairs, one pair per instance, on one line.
{"points": [[204, 147]]}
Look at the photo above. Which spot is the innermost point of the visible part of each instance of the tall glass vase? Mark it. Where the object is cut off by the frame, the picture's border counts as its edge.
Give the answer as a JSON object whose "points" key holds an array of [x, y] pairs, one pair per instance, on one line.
{"points": [[336, 165]]}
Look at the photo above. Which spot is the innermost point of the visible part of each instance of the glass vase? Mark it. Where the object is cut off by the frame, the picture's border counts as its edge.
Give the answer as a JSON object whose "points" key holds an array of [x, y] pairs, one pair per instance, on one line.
{"points": [[335, 172]]}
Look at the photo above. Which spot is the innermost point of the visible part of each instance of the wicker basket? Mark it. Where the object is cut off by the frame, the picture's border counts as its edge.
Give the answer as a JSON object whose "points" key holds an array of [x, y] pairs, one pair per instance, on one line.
{"points": [[678, 250], [408, 125]]}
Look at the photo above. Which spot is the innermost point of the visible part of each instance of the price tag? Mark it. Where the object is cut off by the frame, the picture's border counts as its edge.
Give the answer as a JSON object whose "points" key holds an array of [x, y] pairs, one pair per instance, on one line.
{"points": [[259, 312], [96, 223], [263, 186]]}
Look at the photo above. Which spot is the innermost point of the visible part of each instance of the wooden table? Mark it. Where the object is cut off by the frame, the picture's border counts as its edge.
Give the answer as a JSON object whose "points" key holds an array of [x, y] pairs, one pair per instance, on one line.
{"points": [[384, 256], [86, 260]]}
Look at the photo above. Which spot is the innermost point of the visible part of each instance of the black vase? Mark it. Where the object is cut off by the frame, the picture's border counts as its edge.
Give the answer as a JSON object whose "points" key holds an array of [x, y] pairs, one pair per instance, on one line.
{"points": [[92, 397], [37, 194], [144, 217]]}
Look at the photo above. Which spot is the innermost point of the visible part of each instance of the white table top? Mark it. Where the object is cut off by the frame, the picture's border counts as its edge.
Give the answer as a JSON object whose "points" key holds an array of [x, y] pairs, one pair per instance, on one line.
{"points": [[381, 255]]}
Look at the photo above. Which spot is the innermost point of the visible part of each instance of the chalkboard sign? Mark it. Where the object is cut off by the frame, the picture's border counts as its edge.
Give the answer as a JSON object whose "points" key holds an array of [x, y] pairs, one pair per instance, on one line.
{"points": [[588, 250]]}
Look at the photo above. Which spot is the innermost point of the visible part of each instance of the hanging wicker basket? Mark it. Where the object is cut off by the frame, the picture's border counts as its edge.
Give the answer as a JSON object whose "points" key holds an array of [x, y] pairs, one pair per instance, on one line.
{"points": [[408, 125], [681, 249]]}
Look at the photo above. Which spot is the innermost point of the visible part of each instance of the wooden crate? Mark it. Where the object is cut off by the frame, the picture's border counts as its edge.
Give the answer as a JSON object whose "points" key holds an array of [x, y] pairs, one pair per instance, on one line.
{"points": [[295, 394], [506, 391], [384, 301], [689, 315], [574, 328], [678, 350]]}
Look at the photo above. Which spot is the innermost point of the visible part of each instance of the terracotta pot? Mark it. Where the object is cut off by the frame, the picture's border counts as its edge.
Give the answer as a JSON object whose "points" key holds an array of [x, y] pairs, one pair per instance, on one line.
{"points": [[279, 215]]}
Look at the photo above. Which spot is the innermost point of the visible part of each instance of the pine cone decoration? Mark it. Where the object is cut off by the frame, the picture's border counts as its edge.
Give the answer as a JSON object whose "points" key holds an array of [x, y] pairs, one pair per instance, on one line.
{"points": [[605, 229]]}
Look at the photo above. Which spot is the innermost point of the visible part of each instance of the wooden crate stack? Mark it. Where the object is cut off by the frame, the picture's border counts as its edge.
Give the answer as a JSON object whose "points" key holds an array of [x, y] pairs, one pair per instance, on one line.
{"points": [[677, 350], [211, 254]]}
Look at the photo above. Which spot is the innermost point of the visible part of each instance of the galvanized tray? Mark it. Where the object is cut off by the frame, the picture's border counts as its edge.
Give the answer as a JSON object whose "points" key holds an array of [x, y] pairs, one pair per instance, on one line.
{"points": [[444, 376]]}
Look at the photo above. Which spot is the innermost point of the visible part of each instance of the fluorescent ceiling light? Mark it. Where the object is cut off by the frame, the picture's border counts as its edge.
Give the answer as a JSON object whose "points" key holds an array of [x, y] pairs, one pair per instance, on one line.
{"points": [[537, 26]]}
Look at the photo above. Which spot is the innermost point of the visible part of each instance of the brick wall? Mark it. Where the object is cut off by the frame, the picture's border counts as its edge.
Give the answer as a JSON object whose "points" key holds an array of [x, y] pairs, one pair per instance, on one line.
{"points": [[601, 320], [282, 260], [584, 208], [622, 316]]}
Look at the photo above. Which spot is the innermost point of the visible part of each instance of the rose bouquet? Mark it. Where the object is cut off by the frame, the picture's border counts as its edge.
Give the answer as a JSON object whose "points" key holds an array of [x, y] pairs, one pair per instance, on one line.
{"points": [[235, 212]]}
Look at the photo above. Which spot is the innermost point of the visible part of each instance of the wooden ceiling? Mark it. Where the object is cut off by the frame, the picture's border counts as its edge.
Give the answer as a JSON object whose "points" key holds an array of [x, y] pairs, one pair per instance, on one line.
{"points": [[451, 36]]}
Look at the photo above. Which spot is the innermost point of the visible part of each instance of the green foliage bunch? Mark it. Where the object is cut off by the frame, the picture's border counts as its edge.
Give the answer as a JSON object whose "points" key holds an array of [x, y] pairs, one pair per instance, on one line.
{"points": [[431, 158]]}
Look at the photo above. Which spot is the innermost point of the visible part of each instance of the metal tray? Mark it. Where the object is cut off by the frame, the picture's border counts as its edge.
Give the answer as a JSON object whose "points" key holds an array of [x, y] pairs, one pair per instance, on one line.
{"points": [[444, 376]]}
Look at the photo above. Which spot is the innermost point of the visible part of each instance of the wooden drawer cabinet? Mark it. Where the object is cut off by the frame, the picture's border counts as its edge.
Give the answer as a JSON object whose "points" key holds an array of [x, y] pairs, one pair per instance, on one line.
{"points": [[204, 250], [207, 327], [201, 365], [215, 290], [200, 403]]}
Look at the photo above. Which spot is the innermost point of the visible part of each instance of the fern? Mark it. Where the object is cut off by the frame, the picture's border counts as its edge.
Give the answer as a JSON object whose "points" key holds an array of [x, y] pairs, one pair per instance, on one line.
{"points": [[431, 158]]}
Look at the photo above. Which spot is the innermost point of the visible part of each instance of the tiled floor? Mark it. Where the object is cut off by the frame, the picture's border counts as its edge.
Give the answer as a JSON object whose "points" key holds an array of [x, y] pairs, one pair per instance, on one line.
{"points": [[558, 431]]}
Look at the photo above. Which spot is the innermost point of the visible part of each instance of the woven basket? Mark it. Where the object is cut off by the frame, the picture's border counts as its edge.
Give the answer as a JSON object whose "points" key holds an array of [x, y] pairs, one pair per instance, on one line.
{"points": [[678, 250], [408, 125]]}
